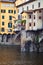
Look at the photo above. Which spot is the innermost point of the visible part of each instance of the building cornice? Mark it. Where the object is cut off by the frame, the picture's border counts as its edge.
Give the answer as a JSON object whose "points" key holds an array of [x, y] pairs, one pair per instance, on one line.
{"points": [[38, 9], [31, 11], [25, 3], [7, 1]]}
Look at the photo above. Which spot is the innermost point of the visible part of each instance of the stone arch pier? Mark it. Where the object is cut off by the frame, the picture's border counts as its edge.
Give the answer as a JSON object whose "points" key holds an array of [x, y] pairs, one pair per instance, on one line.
{"points": [[31, 41]]}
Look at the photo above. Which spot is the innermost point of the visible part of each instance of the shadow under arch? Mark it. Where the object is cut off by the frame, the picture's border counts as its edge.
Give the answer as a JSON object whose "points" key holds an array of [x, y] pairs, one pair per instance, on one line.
{"points": [[3, 36], [41, 46], [41, 41], [27, 45]]}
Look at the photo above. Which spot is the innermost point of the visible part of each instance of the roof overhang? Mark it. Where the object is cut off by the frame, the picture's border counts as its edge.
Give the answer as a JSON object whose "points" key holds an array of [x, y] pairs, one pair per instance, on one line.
{"points": [[25, 3], [8, 1], [31, 11]]}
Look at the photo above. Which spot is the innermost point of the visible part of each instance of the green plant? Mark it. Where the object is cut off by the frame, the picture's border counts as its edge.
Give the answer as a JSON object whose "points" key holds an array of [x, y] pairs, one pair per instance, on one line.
{"points": [[23, 21]]}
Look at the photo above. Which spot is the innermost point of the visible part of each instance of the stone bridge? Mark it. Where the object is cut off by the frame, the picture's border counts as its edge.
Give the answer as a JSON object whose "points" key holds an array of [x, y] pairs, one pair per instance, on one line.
{"points": [[31, 40], [35, 37], [10, 39]]}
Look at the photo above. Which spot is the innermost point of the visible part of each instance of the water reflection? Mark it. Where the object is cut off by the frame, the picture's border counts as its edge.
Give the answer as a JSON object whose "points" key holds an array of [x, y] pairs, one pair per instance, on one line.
{"points": [[11, 56]]}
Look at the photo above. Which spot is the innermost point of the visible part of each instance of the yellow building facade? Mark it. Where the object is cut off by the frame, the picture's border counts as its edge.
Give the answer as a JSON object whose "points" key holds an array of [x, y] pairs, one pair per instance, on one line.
{"points": [[8, 15]]}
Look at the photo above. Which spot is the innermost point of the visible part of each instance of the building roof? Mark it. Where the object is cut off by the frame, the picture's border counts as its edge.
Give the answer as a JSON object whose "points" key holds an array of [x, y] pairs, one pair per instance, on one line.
{"points": [[30, 11], [25, 3], [7, 0], [38, 9]]}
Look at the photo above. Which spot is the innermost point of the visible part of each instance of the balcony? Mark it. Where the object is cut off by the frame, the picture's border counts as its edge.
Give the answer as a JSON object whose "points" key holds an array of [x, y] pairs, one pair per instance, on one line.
{"points": [[9, 30]]}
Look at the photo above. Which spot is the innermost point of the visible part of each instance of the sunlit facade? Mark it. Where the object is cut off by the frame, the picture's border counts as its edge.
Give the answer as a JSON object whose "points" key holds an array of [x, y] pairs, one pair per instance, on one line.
{"points": [[8, 15], [32, 12]]}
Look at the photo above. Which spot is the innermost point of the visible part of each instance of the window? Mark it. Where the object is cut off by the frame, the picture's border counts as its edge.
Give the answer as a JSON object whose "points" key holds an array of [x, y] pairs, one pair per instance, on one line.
{"points": [[30, 16], [2, 23], [34, 11], [3, 11], [2, 17], [39, 17], [10, 17], [39, 4], [34, 16], [22, 9], [10, 25], [2, 29], [34, 23], [27, 7], [32, 6], [14, 11], [39, 11], [29, 24], [10, 11], [19, 17]]}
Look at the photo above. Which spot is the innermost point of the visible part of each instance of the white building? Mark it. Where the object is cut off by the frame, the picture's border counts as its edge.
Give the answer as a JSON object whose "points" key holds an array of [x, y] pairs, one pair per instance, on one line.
{"points": [[35, 20]]}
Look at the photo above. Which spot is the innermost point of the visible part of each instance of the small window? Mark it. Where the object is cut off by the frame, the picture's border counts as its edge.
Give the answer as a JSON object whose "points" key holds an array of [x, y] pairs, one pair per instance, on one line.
{"points": [[34, 23], [22, 9], [39, 17], [27, 8], [10, 17], [2, 23], [3, 11], [29, 24], [32, 6], [10, 11], [2, 29], [2, 17], [30, 16], [19, 17], [39, 11], [10, 25], [34, 11], [34, 16], [14, 11], [39, 4]]}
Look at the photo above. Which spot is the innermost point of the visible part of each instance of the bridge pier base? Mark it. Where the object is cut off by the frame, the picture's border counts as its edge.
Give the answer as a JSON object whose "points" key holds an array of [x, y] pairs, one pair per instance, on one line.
{"points": [[23, 37], [23, 48], [32, 46]]}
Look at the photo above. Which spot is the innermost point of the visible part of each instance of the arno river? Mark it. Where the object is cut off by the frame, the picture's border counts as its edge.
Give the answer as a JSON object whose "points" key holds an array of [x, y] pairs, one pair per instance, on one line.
{"points": [[12, 56]]}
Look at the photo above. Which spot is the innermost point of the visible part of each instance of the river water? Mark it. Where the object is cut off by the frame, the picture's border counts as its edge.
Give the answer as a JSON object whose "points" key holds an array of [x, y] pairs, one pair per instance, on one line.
{"points": [[12, 56]]}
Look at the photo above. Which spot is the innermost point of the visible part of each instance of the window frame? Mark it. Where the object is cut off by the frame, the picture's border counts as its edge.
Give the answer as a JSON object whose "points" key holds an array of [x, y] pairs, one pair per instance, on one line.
{"points": [[10, 17], [3, 23], [3, 17], [2, 29]]}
